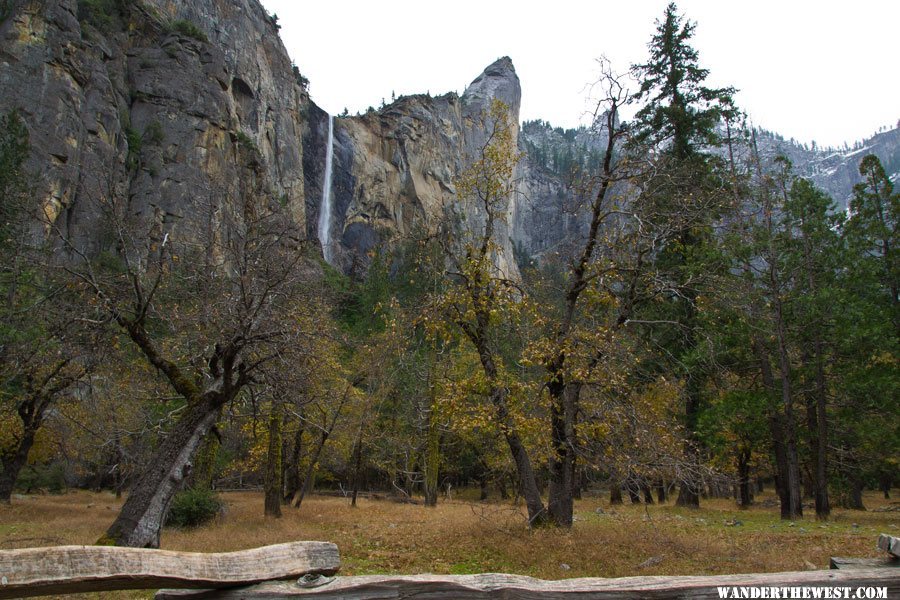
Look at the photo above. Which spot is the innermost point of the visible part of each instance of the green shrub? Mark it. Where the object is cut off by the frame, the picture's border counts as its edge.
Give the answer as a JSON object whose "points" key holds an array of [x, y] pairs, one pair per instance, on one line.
{"points": [[51, 478], [105, 15], [135, 142], [193, 507], [246, 142], [153, 134], [187, 29]]}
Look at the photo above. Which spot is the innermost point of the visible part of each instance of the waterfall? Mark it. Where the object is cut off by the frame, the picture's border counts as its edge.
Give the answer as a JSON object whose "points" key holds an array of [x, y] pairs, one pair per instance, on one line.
{"points": [[325, 207]]}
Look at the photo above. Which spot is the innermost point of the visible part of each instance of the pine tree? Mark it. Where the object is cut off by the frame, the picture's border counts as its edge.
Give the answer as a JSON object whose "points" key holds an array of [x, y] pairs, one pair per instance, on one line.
{"points": [[679, 119], [679, 109]]}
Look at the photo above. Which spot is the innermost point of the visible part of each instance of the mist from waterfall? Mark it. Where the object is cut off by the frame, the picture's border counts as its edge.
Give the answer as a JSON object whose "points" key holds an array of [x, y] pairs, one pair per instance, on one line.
{"points": [[325, 206]]}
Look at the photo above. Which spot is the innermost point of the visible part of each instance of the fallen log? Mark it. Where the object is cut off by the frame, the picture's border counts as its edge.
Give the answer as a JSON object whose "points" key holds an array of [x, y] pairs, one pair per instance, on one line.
{"points": [[515, 587], [74, 569]]}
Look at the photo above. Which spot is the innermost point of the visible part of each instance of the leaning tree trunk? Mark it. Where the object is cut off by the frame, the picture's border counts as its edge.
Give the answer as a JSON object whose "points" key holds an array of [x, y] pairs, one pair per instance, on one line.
{"points": [[141, 519], [310, 476], [527, 481], [537, 514]]}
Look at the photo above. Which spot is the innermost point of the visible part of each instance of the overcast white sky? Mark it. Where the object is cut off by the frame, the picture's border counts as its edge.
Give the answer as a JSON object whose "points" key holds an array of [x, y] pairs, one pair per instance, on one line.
{"points": [[821, 70]]}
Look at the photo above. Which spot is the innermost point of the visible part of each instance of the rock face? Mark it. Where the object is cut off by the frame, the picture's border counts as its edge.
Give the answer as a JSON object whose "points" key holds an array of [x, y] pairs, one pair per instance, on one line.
{"points": [[395, 168], [191, 110]]}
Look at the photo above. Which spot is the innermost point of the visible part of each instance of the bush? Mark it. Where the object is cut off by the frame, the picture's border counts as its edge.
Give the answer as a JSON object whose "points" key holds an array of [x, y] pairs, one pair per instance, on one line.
{"points": [[135, 142], [194, 507], [246, 142], [188, 29], [51, 478], [105, 15]]}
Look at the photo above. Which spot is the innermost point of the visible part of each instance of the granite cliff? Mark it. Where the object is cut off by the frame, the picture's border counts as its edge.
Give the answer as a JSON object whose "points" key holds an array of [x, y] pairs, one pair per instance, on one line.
{"points": [[173, 105], [395, 168]]}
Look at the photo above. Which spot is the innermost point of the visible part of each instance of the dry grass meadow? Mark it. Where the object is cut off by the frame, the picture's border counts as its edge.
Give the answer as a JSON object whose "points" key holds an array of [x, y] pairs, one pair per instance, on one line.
{"points": [[380, 536]]}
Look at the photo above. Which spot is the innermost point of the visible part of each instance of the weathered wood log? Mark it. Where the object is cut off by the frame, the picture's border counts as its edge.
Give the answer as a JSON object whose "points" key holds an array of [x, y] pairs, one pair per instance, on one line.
{"points": [[515, 587], [864, 563], [889, 544], [72, 569]]}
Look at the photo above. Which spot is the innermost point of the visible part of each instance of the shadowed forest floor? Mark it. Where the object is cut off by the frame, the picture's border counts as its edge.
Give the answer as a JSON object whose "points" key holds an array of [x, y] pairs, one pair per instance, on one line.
{"points": [[380, 536]]}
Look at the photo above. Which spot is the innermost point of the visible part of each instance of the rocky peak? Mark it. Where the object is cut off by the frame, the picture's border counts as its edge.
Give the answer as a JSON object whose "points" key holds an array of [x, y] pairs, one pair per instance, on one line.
{"points": [[498, 81]]}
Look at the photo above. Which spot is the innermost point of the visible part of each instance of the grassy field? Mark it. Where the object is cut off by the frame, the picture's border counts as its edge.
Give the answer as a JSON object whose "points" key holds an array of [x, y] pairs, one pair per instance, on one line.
{"points": [[457, 537]]}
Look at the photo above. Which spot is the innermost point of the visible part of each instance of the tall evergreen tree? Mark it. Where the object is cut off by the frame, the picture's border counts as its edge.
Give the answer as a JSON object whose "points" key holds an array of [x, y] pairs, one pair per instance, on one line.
{"points": [[679, 119], [814, 254], [680, 110], [866, 432]]}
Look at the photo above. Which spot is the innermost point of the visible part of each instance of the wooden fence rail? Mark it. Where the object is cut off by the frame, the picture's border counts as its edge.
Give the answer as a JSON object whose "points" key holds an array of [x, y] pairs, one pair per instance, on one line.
{"points": [[72, 569], [494, 586], [256, 574]]}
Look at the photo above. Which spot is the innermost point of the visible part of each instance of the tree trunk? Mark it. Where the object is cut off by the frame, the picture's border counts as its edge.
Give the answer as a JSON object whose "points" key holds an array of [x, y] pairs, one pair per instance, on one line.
{"points": [[273, 481], [292, 469], [661, 491], [689, 491], [789, 425], [537, 514], [745, 495], [432, 457], [560, 504], [13, 463], [648, 493], [795, 509], [527, 481], [310, 471], [140, 521], [855, 499], [823, 504], [633, 487], [501, 488], [615, 492], [120, 464], [31, 411], [483, 486], [357, 467]]}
